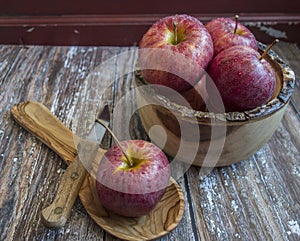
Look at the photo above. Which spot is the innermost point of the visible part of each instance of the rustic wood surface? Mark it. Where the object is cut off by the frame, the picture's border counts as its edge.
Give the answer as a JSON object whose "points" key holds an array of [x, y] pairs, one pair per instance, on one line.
{"points": [[255, 199]]}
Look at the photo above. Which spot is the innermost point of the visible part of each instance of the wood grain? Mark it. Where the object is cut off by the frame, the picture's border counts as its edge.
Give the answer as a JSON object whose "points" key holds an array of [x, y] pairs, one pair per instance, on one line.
{"points": [[256, 199], [58, 212], [38, 120]]}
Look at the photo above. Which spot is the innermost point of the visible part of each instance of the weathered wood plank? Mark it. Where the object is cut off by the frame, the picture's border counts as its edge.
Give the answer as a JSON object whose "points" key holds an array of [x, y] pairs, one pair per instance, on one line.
{"points": [[7, 56], [53, 76], [256, 199]]}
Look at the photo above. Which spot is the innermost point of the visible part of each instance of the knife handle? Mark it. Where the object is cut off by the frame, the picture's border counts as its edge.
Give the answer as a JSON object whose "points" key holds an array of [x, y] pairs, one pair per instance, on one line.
{"points": [[58, 212], [37, 119]]}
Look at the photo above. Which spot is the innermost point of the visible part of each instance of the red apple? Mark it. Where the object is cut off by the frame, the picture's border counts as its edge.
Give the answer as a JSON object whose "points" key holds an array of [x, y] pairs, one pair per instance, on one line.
{"points": [[244, 80], [132, 189], [174, 52], [226, 32]]}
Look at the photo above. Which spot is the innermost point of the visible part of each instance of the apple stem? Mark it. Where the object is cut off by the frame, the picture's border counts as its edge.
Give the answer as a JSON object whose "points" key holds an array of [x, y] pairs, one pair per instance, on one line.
{"points": [[128, 159], [236, 23], [175, 32], [268, 49]]}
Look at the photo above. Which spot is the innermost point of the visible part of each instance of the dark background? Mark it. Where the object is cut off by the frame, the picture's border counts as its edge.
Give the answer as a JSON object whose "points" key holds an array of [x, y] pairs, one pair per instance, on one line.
{"points": [[119, 22]]}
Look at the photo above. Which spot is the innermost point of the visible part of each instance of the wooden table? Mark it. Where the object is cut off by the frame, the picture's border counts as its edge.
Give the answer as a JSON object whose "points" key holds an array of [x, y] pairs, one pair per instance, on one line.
{"points": [[256, 199]]}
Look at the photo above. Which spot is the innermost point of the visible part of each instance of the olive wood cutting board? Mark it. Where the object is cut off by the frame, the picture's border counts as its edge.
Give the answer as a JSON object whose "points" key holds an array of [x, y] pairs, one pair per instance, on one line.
{"points": [[37, 119]]}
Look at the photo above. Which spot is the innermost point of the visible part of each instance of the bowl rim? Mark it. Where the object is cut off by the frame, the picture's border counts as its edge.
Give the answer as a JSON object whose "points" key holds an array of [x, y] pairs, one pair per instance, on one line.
{"points": [[278, 102]]}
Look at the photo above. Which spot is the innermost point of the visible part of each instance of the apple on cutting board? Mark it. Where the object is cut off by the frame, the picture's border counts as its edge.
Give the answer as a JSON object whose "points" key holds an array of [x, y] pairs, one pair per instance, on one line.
{"points": [[178, 44], [226, 32], [132, 179]]}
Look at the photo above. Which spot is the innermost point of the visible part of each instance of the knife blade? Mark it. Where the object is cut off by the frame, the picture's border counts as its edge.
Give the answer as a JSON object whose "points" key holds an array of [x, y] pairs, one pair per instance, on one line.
{"points": [[58, 212]]}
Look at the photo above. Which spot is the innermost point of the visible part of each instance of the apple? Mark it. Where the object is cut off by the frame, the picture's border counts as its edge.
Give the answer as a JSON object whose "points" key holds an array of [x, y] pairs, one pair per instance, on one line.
{"points": [[244, 79], [132, 184], [226, 32], [175, 51]]}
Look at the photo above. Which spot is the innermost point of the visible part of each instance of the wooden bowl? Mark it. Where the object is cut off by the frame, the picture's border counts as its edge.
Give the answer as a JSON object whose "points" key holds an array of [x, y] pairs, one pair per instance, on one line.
{"points": [[245, 132]]}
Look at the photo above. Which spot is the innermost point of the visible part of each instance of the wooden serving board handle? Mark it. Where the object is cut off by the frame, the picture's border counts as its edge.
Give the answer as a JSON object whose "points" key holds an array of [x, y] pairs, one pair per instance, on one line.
{"points": [[38, 120]]}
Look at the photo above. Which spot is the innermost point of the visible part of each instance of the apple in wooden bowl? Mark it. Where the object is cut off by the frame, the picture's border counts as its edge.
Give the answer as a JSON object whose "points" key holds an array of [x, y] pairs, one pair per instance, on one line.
{"points": [[214, 138]]}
